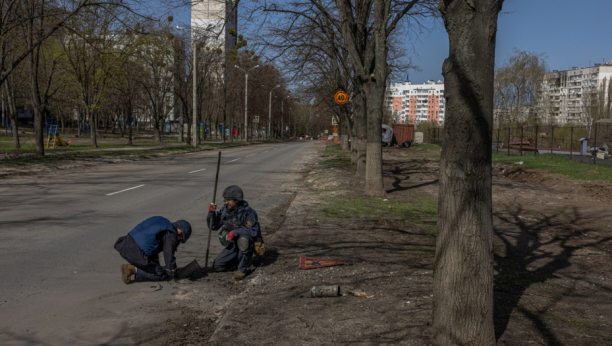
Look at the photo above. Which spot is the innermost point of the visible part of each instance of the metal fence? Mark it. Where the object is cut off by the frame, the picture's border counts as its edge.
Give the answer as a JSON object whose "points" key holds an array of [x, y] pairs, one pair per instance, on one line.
{"points": [[542, 139], [545, 139]]}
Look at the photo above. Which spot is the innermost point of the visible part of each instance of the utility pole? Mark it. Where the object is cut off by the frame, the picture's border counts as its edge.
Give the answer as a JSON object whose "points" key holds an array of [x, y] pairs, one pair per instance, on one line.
{"points": [[195, 127], [195, 133], [246, 99], [270, 114]]}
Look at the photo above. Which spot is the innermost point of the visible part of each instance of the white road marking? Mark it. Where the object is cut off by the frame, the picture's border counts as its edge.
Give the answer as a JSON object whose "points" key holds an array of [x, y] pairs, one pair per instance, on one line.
{"points": [[265, 151], [233, 160], [131, 188], [199, 170], [275, 148], [251, 155]]}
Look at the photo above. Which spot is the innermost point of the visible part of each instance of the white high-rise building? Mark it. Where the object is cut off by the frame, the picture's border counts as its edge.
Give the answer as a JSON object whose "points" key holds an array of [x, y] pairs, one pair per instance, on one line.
{"points": [[413, 103], [220, 14]]}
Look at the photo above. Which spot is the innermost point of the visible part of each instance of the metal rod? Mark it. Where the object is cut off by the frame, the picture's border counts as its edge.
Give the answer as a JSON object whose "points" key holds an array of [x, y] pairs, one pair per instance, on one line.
{"points": [[595, 146], [212, 215], [572, 143], [509, 135], [552, 138]]}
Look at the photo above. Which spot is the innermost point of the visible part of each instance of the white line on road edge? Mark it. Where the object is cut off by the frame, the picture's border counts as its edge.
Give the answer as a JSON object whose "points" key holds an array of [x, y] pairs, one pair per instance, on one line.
{"points": [[199, 170], [233, 160], [275, 148], [131, 188], [251, 155], [265, 151]]}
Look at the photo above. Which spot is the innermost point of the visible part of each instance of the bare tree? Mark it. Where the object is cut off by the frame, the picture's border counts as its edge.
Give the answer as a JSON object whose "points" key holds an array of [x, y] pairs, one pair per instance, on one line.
{"points": [[463, 265], [15, 14], [94, 52], [365, 28], [517, 83]]}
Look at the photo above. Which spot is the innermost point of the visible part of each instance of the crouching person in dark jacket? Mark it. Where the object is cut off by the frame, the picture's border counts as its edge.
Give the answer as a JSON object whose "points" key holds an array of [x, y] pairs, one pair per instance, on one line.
{"points": [[240, 223], [141, 248]]}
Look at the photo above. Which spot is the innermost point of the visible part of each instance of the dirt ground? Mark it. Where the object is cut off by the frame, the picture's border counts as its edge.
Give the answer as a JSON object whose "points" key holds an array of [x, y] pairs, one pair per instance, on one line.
{"points": [[552, 260]]}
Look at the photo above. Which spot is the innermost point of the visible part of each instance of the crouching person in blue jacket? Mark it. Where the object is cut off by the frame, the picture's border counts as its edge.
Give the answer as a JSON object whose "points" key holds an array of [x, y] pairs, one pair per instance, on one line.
{"points": [[142, 245], [240, 223]]}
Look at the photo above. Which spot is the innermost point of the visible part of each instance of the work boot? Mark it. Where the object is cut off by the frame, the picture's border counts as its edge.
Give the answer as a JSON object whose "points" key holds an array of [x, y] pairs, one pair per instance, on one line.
{"points": [[238, 275], [127, 270]]}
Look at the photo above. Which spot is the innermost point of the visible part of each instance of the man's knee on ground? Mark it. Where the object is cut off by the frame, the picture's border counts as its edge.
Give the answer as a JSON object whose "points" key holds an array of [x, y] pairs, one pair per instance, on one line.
{"points": [[244, 243]]}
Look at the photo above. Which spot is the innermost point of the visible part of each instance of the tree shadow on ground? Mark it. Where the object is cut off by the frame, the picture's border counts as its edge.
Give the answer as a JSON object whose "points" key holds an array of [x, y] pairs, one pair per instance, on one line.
{"points": [[529, 261]]}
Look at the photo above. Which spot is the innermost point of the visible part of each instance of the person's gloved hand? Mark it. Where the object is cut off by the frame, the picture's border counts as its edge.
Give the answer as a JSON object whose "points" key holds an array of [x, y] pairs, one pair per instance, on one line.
{"points": [[212, 207], [230, 236]]}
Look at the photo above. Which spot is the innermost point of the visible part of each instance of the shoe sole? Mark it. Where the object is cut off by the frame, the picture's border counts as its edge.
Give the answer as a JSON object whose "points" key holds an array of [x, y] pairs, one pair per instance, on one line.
{"points": [[124, 275]]}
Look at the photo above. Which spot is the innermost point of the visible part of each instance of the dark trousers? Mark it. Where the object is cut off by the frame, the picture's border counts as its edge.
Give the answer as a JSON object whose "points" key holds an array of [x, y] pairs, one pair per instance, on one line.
{"points": [[151, 272], [232, 256]]}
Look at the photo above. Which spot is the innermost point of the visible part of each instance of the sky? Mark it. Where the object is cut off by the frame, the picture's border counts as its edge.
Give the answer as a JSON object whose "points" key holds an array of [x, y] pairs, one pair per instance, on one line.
{"points": [[569, 32]]}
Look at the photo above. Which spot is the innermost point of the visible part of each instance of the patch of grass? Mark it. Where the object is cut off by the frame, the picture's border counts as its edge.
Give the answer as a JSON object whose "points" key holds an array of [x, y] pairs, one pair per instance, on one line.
{"points": [[338, 157], [338, 162], [332, 149], [421, 211], [557, 164], [426, 146]]}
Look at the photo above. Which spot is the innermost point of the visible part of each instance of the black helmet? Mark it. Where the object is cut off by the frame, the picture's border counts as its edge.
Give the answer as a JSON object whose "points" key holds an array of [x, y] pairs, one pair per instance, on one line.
{"points": [[185, 228], [233, 192]]}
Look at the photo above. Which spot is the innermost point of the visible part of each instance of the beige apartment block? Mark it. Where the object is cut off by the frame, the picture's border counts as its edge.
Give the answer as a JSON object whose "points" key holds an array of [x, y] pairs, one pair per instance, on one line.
{"points": [[567, 97]]}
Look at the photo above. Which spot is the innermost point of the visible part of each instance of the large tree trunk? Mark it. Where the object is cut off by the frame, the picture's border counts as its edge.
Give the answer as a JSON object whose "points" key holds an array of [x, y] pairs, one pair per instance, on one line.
{"points": [[129, 126], [37, 102], [376, 90], [156, 129], [344, 133], [93, 127], [360, 132], [79, 122], [463, 266], [344, 142], [181, 128], [12, 113], [354, 153]]}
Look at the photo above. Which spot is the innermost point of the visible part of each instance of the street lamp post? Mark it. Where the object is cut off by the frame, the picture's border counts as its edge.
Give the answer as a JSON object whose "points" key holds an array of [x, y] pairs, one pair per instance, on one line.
{"points": [[195, 131], [195, 127], [270, 114], [246, 90]]}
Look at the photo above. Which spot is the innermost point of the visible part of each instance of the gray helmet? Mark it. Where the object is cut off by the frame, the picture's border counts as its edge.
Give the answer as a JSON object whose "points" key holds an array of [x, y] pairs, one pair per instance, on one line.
{"points": [[233, 192], [185, 228]]}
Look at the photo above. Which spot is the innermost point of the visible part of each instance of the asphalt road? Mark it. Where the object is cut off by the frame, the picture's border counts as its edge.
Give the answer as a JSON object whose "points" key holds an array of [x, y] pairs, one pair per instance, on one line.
{"points": [[60, 282]]}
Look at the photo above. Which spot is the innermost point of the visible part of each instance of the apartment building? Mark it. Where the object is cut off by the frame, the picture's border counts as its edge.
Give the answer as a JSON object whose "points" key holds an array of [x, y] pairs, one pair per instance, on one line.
{"points": [[210, 17], [413, 103], [564, 96]]}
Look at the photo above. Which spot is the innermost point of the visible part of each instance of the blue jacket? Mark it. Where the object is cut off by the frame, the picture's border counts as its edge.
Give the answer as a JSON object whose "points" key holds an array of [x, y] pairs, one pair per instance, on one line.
{"points": [[243, 220], [145, 234]]}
